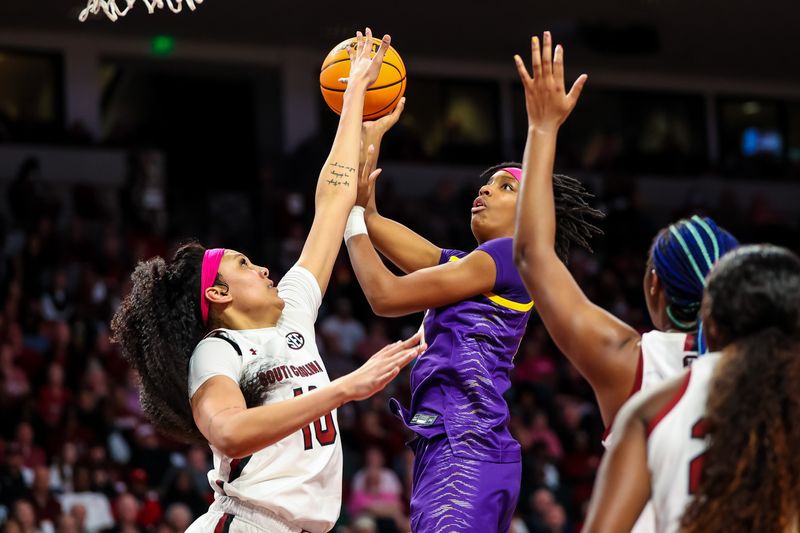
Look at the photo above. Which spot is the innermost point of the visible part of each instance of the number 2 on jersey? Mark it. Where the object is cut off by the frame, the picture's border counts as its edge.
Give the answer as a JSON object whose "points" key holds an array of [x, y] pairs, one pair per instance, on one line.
{"points": [[326, 436], [699, 431]]}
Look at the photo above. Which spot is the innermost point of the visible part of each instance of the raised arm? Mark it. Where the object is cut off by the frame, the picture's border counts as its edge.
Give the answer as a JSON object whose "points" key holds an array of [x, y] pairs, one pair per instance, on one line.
{"points": [[336, 187], [402, 246], [604, 349], [222, 416]]}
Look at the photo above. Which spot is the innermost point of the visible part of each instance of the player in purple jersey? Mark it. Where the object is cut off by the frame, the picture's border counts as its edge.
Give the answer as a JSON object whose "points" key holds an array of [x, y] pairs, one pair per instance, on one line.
{"points": [[467, 465]]}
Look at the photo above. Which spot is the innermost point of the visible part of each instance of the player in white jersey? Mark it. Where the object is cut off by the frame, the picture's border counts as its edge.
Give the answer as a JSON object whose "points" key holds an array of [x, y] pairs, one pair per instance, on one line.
{"points": [[714, 448], [229, 359], [614, 357]]}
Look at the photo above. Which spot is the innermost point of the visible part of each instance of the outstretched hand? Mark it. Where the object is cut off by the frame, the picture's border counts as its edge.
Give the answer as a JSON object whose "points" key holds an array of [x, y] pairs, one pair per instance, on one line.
{"points": [[363, 66], [375, 129], [546, 100], [381, 368]]}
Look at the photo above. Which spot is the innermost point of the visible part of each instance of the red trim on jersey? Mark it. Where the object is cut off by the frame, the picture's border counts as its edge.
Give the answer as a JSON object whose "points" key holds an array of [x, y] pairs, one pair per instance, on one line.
{"points": [[671, 404], [637, 385], [224, 524], [689, 345]]}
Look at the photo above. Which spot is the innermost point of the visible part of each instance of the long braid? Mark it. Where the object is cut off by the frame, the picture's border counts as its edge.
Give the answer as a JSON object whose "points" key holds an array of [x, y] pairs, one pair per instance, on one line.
{"points": [[682, 256], [572, 211], [751, 473]]}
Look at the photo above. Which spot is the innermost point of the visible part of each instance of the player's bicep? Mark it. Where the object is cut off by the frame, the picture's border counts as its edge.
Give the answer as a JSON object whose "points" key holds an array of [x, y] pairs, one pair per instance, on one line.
{"points": [[217, 398], [442, 284]]}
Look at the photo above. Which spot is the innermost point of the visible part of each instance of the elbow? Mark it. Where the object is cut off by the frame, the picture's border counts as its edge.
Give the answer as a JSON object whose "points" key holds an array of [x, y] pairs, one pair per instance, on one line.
{"points": [[381, 306], [229, 442]]}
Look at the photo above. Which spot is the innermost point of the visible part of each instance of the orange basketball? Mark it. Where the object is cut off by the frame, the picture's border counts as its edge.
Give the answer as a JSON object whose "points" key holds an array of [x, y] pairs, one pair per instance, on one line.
{"points": [[382, 96]]}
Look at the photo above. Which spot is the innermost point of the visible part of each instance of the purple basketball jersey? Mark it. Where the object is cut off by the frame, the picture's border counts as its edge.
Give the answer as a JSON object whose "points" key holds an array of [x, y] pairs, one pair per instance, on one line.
{"points": [[457, 384]]}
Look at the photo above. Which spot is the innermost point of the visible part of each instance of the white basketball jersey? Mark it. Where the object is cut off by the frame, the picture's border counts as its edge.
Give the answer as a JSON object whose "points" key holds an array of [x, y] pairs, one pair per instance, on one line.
{"points": [[675, 446], [300, 477], [665, 354], [662, 354]]}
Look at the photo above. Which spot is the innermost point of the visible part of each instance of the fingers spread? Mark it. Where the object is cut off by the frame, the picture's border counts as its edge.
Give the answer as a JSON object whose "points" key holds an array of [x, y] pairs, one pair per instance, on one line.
{"points": [[536, 58], [558, 67], [577, 87], [521, 70], [547, 55]]}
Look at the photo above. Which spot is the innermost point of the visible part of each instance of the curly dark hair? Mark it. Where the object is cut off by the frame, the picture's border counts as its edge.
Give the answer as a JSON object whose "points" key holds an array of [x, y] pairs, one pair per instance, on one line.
{"points": [[572, 211], [751, 474], [157, 327]]}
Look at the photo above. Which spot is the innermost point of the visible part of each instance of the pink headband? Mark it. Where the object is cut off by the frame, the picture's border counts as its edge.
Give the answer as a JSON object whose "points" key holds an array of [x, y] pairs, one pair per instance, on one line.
{"points": [[211, 260], [514, 171]]}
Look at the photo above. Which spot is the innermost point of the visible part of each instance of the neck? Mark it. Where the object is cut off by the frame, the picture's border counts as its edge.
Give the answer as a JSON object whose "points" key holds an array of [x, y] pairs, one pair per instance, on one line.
{"points": [[236, 320]]}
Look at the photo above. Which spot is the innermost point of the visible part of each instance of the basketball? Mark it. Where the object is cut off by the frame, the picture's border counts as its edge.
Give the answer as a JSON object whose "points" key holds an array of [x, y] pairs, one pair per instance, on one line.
{"points": [[382, 96]]}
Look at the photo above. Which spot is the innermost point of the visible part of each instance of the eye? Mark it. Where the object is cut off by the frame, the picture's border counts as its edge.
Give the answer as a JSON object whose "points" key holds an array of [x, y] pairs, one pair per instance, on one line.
{"points": [[508, 186]]}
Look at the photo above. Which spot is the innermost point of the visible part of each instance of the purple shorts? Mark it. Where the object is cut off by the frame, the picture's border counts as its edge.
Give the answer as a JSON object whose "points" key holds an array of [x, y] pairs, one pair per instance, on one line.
{"points": [[454, 493]]}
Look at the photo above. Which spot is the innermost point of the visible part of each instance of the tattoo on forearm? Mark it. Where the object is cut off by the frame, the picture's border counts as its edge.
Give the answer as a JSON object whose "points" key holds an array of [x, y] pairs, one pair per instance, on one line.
{"points": [[342, 174]]}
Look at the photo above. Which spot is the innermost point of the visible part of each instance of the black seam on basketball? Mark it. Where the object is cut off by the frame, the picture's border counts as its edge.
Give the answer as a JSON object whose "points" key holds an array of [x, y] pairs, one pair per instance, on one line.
{"points": [[325, 67], [371, 88], [396, 98]]}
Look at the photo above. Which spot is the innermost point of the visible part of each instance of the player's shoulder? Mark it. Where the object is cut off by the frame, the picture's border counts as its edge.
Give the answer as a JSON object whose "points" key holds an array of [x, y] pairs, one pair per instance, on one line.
{"points": [[220, 337]]}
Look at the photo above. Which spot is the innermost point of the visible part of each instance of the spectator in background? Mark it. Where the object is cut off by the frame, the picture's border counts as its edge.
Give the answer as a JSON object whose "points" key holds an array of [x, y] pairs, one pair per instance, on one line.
{"points": [[79, 513], [342, 330], [126, 510], [364, 524], [377, 491], [32, 455], [62, 469], [56, 301], [15, 384], [44, 502], [376, 338], [13, 485], [181, 490], [24, 516], [54, 400], [178, 517], [91, 508]]}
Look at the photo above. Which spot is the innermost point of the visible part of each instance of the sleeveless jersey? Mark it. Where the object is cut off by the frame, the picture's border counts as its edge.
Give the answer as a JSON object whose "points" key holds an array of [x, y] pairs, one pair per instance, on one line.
{"points": [[675, 445]]}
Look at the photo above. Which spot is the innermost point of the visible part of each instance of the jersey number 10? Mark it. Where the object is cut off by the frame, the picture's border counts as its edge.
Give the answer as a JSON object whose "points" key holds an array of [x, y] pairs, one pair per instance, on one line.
{"points": [[326, 436]]}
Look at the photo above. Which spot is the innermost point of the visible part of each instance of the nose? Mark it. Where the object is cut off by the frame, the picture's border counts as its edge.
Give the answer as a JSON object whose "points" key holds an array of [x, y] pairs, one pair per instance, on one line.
{"points": [[485, 190], [265, 272]]}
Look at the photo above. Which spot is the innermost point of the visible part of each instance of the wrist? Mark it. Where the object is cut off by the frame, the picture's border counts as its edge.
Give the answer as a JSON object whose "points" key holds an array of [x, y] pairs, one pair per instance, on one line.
{"points": [[543, 128], [356, 86], [342, 393], [355, 223]]}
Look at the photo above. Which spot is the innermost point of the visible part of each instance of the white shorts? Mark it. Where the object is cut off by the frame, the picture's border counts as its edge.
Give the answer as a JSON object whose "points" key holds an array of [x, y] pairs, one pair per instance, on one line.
{"points": [[229, 515]]}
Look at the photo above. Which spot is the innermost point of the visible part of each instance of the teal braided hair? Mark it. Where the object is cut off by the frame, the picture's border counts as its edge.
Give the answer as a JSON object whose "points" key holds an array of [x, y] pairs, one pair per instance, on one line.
{"points": [[682, 256]]}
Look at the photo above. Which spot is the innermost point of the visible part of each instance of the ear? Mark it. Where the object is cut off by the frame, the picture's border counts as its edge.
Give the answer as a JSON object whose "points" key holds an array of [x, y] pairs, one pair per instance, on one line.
{"points": [[218, 295], [655, 283]]}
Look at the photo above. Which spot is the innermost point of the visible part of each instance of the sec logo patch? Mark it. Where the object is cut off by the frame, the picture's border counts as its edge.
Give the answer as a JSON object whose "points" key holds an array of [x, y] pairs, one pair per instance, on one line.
{"points": [[295, 340]]}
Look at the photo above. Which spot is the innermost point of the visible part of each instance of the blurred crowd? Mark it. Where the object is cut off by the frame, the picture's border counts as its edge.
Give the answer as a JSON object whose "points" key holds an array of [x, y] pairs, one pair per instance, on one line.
{"points": [[77, 455]]}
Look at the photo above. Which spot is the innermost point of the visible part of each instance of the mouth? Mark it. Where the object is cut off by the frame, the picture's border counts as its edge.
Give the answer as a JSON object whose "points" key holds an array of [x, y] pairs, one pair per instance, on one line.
{"points": [[478, 205]]}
